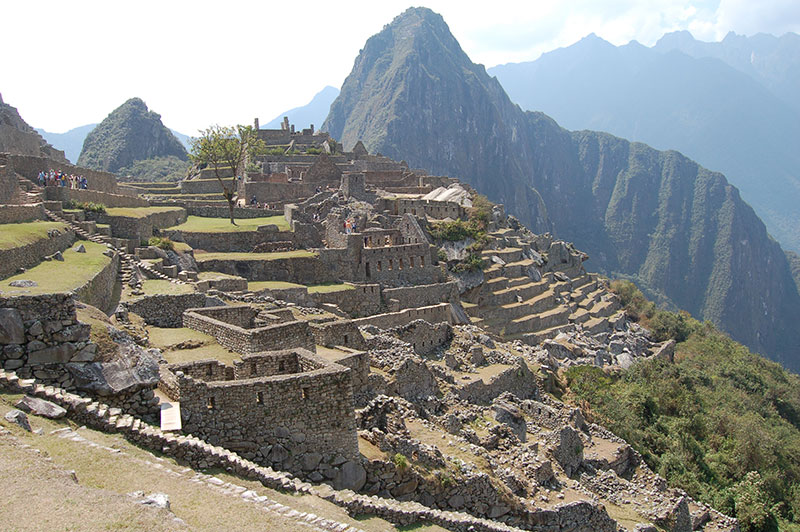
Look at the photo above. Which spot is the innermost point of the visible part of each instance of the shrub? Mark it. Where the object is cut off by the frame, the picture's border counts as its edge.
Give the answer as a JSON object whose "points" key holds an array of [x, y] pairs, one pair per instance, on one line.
{"points": [[401, 462], [161, 242], [88, 206]]}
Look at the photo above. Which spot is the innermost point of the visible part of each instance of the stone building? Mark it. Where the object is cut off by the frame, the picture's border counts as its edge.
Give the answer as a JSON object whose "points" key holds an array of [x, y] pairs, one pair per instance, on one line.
{"points": [[290, 408]]}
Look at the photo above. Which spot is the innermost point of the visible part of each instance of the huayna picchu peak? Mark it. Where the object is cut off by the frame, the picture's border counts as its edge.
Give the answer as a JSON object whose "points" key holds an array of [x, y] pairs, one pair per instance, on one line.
{"points": [[130, 133], [680, 231]]}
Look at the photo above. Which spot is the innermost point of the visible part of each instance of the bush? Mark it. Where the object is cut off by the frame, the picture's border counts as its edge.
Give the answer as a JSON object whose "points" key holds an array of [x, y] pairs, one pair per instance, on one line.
{"points": [[401, 462], [161, 242], [88, 206], [670, 325]]}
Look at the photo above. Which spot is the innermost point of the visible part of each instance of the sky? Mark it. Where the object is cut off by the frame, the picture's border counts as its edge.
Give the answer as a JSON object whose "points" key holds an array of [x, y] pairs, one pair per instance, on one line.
{"points": [[197, 63]]}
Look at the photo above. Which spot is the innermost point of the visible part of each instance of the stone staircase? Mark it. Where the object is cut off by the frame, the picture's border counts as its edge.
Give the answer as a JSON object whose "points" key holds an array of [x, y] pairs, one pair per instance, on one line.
{"points": [[28, 192], [516, 302], [129, 264]]}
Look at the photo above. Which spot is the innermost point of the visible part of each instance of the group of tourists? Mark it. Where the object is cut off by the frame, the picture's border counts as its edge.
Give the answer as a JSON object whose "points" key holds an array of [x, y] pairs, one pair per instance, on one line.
{"points": [[350, 226], [58, 178]]}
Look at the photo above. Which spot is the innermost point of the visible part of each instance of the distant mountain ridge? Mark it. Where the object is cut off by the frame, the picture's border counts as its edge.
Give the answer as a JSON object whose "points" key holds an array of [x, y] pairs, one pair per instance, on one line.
{"points": [[704, 107], [772, 61], [314, 112], [129, 134], [681, 231]]}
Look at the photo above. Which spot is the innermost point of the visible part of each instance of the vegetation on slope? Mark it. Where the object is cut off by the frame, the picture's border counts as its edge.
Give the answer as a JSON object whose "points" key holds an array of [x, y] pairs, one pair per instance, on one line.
{"points": [[168, 168], [720, 422]]}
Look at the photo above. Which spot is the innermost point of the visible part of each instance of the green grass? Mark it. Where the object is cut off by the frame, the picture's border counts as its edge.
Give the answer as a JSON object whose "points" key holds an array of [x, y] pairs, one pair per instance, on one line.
{"points": [[160, 286], [299, 253], [17, 235], [198, 224], [329, 287], [139, 212], [255, 286], [56, 276], [181, 246]]}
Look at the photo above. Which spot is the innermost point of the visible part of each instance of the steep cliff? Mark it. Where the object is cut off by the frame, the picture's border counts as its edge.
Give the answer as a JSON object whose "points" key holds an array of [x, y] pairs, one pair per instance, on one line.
{"points": [[681, 231], [130, 133], [17, 137], [706, 109]]}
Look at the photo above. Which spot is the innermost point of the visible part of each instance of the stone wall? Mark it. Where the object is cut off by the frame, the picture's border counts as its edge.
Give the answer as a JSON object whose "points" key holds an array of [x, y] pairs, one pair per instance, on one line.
{"points": [[10, 214], [240, 241], [139, 229], [363, 300], [209, 211], [358, 362], [288, 335], [29, 167], [437, 210], [289, 420], [8, 181], [516, 379], [165, 310], [206, 186], [424, 337], [96, 196], [39, 334], [299, 270], [432, 314], [420, 296], [99, 290], [340, 332], [29, 255], [395, 265], [266, 192]]}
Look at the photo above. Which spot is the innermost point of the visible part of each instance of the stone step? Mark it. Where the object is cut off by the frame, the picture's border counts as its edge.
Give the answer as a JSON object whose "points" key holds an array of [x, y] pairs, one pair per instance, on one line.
{"points": [[537, 322], [538, 337], [507, 255]]}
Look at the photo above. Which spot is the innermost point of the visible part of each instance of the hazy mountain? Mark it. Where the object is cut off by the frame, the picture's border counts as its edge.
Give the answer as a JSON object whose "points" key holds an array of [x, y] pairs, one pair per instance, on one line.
{"points": [[17, 137], [705, 108], [772, 61], [130, 133], [681, 231], [314, 112], [70, 142]]}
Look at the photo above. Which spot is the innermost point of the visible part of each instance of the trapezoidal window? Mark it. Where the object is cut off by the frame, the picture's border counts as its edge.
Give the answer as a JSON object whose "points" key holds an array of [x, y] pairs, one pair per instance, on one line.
{"points": [[260, 398], [210, 403], [304, 394]]}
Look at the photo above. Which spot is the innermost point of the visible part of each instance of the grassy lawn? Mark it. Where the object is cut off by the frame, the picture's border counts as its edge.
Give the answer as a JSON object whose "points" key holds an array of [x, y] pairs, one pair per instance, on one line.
{"points": [[299, 253], [139, 212], [16, 235], [187, 345], [57, 276], [152, 287], [198, 224], [329, 287], [181, 246], [255, 286]]}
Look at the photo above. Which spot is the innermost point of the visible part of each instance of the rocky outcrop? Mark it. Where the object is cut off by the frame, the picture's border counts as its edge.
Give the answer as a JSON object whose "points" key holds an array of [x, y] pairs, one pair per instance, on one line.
{"points": [[681, 231], [129, 134], [17, 137]]}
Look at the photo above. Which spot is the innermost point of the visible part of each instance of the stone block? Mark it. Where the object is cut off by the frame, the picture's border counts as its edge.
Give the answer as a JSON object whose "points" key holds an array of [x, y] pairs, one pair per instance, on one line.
{"points": [[12, 330], [40, 407], [59, 354]]}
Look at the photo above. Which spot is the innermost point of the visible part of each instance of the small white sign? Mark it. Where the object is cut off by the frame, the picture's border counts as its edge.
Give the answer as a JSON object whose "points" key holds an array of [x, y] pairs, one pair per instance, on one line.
{"points": [[170, 416]]}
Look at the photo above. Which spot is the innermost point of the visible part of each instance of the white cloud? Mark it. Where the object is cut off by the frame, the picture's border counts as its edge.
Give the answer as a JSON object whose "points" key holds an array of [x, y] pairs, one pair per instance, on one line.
{"points": [[203, 62]]}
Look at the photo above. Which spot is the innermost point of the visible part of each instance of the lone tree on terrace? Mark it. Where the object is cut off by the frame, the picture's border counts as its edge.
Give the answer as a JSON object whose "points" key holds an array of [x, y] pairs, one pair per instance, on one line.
{"points": [[223, 148]]}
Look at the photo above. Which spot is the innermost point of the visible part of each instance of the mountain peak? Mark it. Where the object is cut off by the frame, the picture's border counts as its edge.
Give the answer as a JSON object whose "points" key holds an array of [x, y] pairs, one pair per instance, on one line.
{"points": [[130, 133]]}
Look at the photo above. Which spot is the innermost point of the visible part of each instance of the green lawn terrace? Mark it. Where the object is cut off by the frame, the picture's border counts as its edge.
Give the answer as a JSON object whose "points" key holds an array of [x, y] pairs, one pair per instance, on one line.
{"points": [[198, 224], [55, 276], [139, 212], [20, 234]]}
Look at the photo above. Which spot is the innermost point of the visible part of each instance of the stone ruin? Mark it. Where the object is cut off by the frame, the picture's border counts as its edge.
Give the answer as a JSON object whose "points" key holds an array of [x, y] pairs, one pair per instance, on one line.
{"points": [[369, 359]]}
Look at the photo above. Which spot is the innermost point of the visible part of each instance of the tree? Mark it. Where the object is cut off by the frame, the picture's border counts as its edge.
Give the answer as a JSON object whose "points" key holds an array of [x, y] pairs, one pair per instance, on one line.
{"points": [[220, 148]]}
